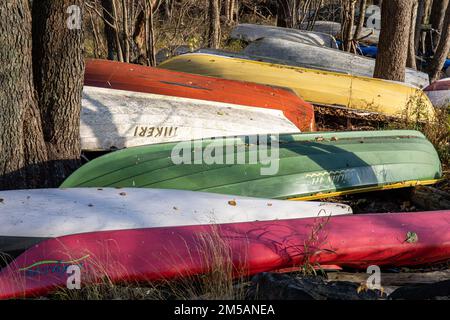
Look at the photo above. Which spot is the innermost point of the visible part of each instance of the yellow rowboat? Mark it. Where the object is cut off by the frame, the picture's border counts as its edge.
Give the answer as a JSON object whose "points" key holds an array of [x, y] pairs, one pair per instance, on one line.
{"points": [[316, 86]]}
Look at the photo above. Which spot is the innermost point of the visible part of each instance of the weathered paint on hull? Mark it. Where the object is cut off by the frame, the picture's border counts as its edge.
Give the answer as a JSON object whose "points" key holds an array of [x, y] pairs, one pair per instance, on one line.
{"points": [[318, 87], [299, 165], [29, 216], [252, 32], [369, 35], [116, 119], [310, 56], [181, 252], [131, 77]]}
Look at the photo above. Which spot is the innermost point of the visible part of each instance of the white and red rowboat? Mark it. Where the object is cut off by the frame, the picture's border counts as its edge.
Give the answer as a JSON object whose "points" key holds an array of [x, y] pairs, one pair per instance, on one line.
{"points": [[29, 216], [152, 254]]}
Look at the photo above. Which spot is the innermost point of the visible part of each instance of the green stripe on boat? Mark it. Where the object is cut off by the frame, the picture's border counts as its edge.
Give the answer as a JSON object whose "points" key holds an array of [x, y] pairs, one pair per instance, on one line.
{"points": [[308, 164]]}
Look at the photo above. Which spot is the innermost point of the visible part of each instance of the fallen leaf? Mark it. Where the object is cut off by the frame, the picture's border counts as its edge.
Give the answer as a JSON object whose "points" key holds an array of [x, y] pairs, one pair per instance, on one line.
{"points": [[232, 203]]}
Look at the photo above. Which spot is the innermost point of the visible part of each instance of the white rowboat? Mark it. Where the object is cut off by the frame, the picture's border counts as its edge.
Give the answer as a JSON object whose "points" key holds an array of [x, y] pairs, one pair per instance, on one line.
{"points": [[116, 119], [253, 32]]}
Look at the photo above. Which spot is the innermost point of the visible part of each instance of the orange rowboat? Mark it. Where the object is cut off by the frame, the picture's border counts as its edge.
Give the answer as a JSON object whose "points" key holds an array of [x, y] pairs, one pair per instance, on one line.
{"points": [[130, 77]]}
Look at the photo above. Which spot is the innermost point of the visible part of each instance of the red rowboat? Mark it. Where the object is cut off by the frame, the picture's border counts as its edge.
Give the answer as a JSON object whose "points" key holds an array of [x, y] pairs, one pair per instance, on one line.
{"points": [[131, 77], [392, 239]]}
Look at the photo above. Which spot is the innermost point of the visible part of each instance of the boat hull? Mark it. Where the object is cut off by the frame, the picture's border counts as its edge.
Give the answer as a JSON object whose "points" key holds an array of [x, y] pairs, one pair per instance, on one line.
{"points": [[310, 56], [318, 87], [154, 254], [252, 32], [299, 166], [29, 216], [116, 119], [131, 77], [439, 93], [368, 35]]}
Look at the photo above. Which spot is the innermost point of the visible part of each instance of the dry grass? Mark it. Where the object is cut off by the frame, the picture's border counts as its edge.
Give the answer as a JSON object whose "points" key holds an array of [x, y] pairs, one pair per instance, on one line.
{"points": [[223, 280], [437, 131], [312, 247]]}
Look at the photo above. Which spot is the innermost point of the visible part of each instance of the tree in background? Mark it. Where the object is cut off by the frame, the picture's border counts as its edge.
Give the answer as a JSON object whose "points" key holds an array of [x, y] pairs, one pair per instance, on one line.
{"points": [[214, 24], [421, 16], [287, 13], [437, 15], [442, 50], [348, 20], [109, 28], [229, 8], [394, 37], [362, 15], [42, 74], [411, 57]]}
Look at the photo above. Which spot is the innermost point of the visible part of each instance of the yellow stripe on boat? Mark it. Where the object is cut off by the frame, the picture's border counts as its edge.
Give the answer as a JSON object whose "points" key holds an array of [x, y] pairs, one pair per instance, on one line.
{"points": [[406, 184], [315, 86]]}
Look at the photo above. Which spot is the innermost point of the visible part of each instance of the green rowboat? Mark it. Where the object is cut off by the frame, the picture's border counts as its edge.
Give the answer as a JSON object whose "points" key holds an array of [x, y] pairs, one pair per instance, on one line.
{"points": [[291, 166]]}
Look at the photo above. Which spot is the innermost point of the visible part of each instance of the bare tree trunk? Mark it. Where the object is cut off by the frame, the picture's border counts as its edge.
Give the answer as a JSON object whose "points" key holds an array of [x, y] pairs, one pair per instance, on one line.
{"points": [[109, 31], [411, 58], [116, 32], [150, 35], [232, 9], [393, 44], [421, 7], [126, 33], [348, 12], [426, 20], [229, 7], [226, 9], [442, 50], [97, 41], [23, 153], [168, 8], [40, 97], [362, 15], [144, 34], [214, 23], [287, 13], [58, 65], [436, 20]]}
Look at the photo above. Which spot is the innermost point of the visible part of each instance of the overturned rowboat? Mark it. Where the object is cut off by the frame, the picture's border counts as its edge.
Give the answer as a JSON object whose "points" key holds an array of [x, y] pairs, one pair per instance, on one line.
{"points": [[116, 119], [310, 56], [439, 93], [290, 166], [126, 105], [30, 216], [323, 88], [252, 32], [161, 254], [368, 35]]}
